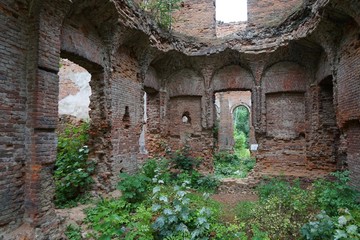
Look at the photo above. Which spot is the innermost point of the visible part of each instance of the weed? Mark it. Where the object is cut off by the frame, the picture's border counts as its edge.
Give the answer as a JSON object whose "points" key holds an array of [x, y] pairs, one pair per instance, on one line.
{"points": [[334, 195], [134, 187], [73, 232], [73, 170]]}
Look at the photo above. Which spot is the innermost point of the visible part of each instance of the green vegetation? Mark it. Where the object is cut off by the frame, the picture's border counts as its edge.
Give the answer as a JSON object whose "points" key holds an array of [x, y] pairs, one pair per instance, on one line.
{"points": [[73, 170], [239, 163], [287, 211], [241, 129], [231, 165], [168, 199], [162, 10], [73, 232]]}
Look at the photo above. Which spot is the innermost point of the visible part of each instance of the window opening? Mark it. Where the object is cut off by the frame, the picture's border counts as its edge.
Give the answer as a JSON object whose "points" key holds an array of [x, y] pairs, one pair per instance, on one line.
{"points": [[231, 11], [74, 90], [186, 117]]}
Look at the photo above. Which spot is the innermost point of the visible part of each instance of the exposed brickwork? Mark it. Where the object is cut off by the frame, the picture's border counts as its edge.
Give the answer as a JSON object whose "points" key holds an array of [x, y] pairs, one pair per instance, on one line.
{"points": [[323, 146], [189, 133], [285, 115], [154, 141], [13, 116], [225, 29], [283, 67], [232, 77], [127, 112], [348, 77], [271, 12], [353, 158], [196, 18]]}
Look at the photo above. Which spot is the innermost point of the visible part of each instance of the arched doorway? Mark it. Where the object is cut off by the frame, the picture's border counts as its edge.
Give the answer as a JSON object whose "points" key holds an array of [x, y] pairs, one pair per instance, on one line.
{"points": [[241, 126]]}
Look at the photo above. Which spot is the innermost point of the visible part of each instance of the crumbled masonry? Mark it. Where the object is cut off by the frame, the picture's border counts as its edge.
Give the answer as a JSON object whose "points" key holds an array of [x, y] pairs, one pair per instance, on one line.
{"points": [[299, 58]]}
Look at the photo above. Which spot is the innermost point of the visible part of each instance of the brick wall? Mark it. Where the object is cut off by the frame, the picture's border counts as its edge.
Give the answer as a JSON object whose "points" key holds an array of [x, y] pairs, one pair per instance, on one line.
{"points": [[13, 131], [353, 157], [282, 144], [323, 145], [271, 12], [285, 115], [348, 77], [191, 133], [33, 39], [348, 96], [185, 82], [225, 29], [232, 77], [196, 18], [126, 115]]}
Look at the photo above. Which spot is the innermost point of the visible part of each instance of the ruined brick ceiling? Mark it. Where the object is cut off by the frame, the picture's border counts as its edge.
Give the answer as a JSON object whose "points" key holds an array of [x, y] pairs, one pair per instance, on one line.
{"points": [[298, 33]]}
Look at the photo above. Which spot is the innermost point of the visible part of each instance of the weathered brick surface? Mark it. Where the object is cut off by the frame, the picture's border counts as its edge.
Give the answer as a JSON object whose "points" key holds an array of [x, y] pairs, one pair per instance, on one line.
{"points": [[323, 145], [185, 82], [282, 146], [353, 158], [127, 114], [293, 118], [191, 133], [225, 29], [285, 115], [196, 18], [271, 12], [233, 77], [348, 77], [13, 117]]}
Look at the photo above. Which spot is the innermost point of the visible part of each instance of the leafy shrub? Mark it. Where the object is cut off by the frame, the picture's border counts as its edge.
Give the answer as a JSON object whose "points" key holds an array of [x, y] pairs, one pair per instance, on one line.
{"points": [[225, 157], [230, 165], [274, 186], [182, 160], [175, 215], [334, 195], [228, 231], [73, 232], [240, 142], [150, 167], [203, 183], [114, 219], [135, 187], [244, 210], [283, 209], [207, 183], [162, 11], [340, 227], [73, 170]]}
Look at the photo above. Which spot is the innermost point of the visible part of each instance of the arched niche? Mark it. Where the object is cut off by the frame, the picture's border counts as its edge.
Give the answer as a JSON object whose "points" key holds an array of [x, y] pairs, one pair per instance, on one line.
{"points": [[80, 37], [151, 81], [185, 82], [283, 87], [285, 77], [232, 77]]}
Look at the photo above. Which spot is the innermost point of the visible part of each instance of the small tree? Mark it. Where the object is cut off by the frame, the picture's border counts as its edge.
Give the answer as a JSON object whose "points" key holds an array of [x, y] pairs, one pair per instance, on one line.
{"points": [[162, 11]]}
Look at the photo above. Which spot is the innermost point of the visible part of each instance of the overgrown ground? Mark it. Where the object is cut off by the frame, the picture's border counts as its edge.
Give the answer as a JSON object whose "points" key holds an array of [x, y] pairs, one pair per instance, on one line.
{"points": [[169, 199]]}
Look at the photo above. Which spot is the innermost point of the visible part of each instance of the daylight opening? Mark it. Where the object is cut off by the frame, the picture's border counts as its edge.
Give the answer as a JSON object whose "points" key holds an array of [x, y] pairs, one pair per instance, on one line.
{"points": [[231, 10], [233, 121], [241, 125], [74, 90]]}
